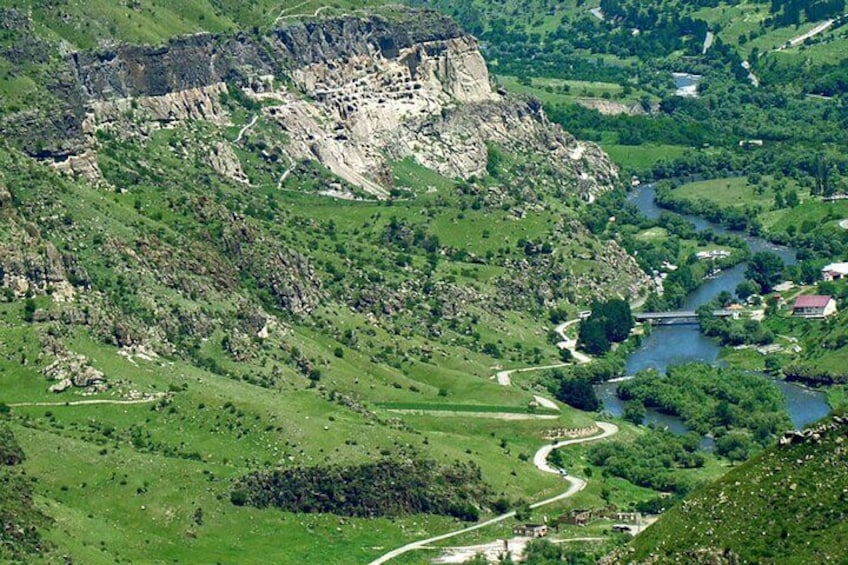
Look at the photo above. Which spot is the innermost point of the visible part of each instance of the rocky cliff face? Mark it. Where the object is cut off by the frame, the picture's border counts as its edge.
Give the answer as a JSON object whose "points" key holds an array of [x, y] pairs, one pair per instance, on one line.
{"points": [[29, 264], [349, 92], [430, 101]]}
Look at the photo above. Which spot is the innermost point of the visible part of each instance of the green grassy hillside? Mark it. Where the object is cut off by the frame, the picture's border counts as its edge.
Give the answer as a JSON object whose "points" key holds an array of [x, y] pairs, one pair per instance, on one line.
{"points": [[784, 506], [363, 320], [196, 329], [200, 311], [85, 25]]}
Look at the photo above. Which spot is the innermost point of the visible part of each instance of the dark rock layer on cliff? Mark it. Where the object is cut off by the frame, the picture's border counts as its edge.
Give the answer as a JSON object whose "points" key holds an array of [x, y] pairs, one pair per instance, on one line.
{"points": [[200, 60], [203, 59]]}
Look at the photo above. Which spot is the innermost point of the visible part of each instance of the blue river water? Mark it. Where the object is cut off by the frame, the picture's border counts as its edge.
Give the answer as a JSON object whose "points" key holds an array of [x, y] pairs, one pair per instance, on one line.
{"points": [[674, 344]]}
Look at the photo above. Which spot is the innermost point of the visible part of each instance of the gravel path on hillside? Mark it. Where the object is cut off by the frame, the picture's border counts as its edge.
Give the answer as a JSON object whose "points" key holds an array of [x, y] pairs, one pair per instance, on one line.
{"points": [[85, 402]]}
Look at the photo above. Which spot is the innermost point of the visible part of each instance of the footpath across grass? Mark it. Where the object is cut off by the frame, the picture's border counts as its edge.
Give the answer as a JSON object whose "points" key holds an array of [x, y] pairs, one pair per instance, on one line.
{"points": [[488, 408]]}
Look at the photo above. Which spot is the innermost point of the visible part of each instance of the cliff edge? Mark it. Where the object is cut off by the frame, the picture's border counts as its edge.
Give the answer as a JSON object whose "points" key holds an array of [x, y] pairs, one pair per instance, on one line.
{"points": [[351, 92]]}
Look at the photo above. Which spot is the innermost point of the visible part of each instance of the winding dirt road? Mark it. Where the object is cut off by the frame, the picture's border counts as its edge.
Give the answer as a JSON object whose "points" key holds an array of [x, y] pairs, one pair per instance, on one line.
{"points": [[798, 40], [284, 16], [503, 377], [570, 344], [540, 461]]}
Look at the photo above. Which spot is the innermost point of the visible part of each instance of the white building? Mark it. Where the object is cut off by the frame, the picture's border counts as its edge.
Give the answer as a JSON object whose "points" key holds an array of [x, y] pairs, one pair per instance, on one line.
{"points": [[835, 271]]}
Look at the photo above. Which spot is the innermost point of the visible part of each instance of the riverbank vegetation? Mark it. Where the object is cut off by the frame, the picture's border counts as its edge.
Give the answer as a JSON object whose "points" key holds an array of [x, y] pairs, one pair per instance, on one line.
{"points": [[733, 332], [610, 322], [669, 248], [742, 411], [783, 211], [572, 384], [813, 352], [652, 460]]}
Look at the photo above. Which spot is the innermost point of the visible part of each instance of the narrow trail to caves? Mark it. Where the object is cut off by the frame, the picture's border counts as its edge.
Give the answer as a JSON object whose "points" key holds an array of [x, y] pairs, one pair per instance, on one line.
{"points": [[246, 128], [540, 461]]}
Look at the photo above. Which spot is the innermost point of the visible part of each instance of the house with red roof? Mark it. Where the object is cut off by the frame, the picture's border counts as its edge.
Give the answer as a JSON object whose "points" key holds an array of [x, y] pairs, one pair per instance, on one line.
{"points": [[814, 306]]}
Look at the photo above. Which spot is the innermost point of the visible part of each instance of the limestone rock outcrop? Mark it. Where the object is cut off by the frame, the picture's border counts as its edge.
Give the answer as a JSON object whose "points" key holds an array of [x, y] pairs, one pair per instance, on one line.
{"points": [[200, 103], [70, 370], [431, 102], [223, 159]]}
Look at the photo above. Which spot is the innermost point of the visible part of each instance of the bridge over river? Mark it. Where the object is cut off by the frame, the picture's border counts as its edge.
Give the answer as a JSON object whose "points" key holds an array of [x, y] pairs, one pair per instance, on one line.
{"points": [[680, 317]]}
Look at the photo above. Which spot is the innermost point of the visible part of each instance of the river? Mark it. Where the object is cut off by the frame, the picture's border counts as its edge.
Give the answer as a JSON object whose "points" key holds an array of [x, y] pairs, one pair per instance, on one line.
{"points": [[674, 344]]}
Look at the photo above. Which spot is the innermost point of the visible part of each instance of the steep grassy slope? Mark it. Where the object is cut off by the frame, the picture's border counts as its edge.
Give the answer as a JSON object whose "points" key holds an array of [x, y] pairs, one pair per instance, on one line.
{"points": [[19, 537], [224, 402], [786, 505]]}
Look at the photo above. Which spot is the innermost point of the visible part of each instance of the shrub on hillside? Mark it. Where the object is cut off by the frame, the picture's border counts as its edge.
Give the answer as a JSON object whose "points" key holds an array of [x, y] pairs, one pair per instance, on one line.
{"points": [[383, 488], [10, 452]]}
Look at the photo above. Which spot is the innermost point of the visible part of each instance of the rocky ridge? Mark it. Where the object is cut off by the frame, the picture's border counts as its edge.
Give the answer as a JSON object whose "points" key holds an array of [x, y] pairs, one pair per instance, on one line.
{"points": [[355, 94], [72, 370]]}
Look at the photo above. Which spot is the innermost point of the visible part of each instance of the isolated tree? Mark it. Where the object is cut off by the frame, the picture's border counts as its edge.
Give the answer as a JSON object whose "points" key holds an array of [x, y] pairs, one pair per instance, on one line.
{"points": [[593, 337], [779, 200], [198, 516], [792, 199], [746, 289], [765, 269], [29, 310]]}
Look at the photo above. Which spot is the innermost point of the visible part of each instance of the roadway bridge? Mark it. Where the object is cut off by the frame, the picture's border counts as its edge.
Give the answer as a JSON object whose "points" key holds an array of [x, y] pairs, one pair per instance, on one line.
{"points": [[680, 317]]}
